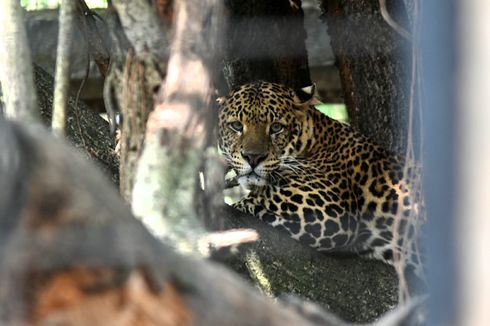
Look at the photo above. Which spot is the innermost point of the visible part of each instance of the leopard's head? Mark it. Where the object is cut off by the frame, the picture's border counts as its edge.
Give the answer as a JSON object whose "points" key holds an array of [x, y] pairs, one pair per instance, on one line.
{"points": [[260, 129]]}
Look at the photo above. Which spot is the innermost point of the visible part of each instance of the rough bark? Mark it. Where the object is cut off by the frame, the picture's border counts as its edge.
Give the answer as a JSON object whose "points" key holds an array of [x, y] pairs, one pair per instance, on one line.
{"points": [[134, 79], [373, 63], [136, 104], [265, 40], [167, 170], [143, 29], [85, 128], [165, 11], [355, 289], [96, 40]]}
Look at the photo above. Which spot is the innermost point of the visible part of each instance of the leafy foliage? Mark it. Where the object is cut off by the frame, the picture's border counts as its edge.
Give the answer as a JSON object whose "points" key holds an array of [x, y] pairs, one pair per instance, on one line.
{"points": [[337, 111]]}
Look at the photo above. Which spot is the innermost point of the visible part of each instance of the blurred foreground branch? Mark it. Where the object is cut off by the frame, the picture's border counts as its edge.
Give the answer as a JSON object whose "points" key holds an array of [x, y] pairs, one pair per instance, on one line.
{"points": [[176, 131], [71, 253]]}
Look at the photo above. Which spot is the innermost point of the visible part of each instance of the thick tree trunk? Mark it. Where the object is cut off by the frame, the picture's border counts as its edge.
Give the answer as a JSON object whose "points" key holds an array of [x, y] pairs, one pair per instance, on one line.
{"points": [[373, 62], [265, 40], [166, 178], [136, 94], [134, 79]]}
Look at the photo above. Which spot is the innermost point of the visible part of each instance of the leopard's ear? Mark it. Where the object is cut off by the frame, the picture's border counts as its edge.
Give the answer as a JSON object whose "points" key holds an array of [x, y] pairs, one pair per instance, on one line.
{"points": [[310, 90], [306, 96]]}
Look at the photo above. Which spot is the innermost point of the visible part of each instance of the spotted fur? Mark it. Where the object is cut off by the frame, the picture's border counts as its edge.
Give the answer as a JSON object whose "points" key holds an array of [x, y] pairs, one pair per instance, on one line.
{"points": [[325, 184]]}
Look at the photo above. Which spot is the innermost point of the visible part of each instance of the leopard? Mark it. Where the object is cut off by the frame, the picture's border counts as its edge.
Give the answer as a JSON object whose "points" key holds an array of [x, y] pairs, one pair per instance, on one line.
{"points": [[318, 179]]}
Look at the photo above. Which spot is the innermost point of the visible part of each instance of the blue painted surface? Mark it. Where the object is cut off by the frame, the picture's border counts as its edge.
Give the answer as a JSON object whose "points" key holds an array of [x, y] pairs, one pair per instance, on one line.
{"points": [[438, 49]]}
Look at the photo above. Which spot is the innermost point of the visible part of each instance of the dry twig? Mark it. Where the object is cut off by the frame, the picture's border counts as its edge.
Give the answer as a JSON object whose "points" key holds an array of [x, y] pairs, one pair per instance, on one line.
{"points": [[390, 21]]}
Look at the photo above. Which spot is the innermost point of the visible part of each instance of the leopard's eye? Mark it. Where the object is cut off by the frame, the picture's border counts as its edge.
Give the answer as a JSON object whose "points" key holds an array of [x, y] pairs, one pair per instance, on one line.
{"points": [[236, 126], [276, 128]]}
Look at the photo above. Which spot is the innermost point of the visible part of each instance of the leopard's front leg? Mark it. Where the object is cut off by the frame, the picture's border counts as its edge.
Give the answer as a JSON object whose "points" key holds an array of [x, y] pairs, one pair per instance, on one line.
{"points": [[311, 226]]}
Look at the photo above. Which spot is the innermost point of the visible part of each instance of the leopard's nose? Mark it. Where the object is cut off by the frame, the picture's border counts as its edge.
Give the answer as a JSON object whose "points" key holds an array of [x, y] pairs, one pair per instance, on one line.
{"points": [[253, 158]]}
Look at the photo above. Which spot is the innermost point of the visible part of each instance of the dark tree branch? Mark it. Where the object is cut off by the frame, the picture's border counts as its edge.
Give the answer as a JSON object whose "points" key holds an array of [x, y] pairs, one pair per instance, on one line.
{"points": [[374, 70], [136, 95], [97, 43], [85, 128], [265, 41], [113, 96], [355, 289], [134, 79]]}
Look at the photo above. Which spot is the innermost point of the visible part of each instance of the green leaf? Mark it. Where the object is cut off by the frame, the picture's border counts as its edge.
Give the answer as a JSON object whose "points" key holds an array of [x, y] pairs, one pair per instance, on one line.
{"points": [[337, 111]]}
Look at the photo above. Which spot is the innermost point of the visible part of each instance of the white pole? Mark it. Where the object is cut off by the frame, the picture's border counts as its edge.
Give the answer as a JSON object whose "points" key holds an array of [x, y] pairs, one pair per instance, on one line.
{"points": [[473, 154], [16, 76]]}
